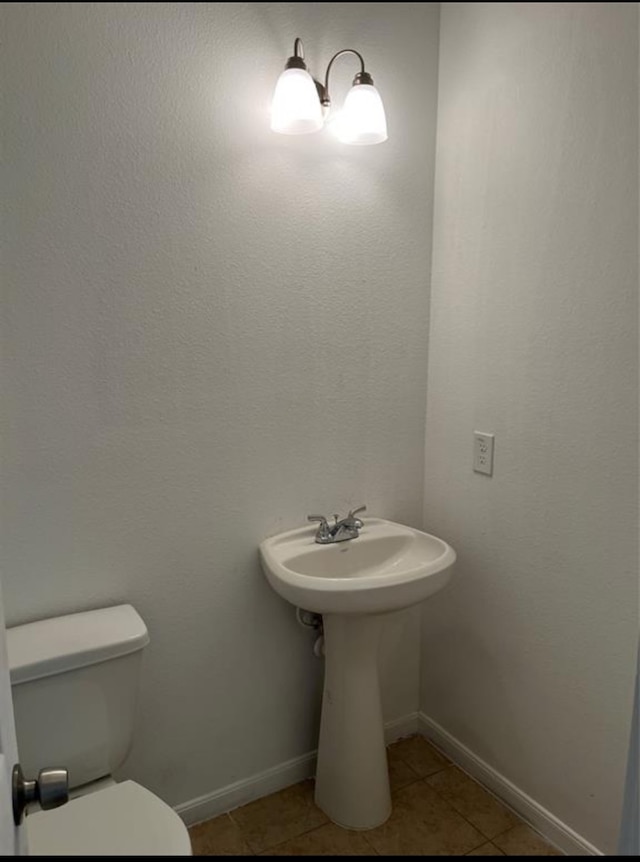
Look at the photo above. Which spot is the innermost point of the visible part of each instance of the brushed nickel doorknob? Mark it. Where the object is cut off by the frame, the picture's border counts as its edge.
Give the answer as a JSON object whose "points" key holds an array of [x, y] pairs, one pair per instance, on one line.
{"points": [[50, 790]]}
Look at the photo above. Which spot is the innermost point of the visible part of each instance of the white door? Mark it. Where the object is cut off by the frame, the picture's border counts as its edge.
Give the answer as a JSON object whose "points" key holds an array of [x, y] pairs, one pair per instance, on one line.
{"points": [[13, 839]]}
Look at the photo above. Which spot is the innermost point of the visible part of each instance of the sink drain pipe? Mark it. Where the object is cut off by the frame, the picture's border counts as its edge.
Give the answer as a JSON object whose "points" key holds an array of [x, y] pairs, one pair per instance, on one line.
{"points": [[311, 620]]}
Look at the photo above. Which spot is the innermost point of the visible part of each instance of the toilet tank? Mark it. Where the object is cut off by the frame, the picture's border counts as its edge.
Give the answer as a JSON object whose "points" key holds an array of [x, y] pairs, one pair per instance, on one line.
{"points": [[74, 681]]}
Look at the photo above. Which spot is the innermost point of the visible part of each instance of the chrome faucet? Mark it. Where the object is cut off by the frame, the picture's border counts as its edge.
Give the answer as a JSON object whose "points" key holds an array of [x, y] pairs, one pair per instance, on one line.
{"points": [[342, 528]]}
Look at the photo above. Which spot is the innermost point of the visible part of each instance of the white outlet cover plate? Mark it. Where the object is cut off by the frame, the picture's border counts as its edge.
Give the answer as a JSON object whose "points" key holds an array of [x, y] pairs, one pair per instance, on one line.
{"points": [[483, 452]]}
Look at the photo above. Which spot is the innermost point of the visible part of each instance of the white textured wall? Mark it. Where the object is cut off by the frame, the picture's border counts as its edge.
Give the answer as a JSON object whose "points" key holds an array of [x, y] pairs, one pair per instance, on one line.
{"points": [[528, 659], [209, 331]]}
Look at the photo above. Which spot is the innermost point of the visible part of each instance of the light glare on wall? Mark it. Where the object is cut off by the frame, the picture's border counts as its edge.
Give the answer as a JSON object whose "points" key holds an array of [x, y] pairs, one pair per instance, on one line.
{"points": [[300, 103]]}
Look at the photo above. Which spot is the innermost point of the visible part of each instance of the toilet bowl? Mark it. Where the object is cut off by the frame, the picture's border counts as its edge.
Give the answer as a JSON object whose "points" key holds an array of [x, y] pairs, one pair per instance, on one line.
{"points": [[74, 682]]}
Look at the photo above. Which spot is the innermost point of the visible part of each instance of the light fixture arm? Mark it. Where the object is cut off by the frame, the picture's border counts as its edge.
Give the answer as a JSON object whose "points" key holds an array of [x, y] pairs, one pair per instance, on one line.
{"points": [[362, 77], [296, 61]]}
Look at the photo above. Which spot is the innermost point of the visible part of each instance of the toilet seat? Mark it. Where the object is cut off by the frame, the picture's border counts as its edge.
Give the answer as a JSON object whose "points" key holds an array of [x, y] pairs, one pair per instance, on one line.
{"points": [[124, 819]]}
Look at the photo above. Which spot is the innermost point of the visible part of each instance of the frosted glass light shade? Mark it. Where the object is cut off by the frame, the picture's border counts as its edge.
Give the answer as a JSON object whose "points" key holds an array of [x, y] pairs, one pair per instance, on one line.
{"points": [[296, 108], [362, 120]]}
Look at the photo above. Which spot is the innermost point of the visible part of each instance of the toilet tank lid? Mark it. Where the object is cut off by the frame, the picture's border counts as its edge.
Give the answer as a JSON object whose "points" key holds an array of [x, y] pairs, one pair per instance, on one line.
{"points": [[60, 644]]}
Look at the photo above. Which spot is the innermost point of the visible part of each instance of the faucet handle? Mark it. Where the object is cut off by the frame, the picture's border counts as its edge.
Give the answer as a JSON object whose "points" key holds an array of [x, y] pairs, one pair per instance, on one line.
{"points": [[323, 530], [320, 518], [352, 520]]}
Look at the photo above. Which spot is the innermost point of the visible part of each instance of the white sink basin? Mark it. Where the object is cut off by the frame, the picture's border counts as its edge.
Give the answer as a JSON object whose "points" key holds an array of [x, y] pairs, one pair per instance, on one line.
{"points": [[388, 567]]}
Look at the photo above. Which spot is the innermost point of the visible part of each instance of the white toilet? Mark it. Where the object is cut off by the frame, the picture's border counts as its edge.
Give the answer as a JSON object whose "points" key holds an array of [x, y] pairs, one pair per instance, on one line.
{"points": [[75, 682]]}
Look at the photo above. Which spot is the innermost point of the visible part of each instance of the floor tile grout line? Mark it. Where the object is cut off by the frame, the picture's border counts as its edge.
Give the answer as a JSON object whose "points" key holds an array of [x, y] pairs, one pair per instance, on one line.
{"points": [[229, 814], [290, 838], [485, 838], [482, 843], [499, 801], [501, 834], [226, 814], [477, 828], [369, 844], [293, 838], [402, 787], [459, 813]]}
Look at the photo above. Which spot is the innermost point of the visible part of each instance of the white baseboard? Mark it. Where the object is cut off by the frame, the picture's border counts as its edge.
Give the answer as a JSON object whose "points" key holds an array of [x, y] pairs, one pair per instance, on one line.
{"points": [[543, 821], [271, 780], [247, 790], [399, 727]]}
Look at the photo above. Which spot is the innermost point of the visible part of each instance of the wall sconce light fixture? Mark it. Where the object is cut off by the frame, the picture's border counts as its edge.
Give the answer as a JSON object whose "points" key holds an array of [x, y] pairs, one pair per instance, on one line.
{"points": [[301, 104]]}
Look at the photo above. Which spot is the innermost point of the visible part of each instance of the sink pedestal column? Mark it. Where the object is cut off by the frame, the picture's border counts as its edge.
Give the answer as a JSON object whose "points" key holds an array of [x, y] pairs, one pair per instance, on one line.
{"points": [[352, 779]]}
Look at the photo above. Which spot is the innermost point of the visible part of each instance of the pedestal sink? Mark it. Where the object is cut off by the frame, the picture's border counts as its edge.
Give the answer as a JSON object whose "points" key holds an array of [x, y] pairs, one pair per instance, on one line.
{"points": [[354, 585]]}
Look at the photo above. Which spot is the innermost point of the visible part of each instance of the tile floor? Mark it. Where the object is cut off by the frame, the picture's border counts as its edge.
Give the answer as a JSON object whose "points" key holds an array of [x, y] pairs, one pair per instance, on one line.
{"points": [[437, 811]]}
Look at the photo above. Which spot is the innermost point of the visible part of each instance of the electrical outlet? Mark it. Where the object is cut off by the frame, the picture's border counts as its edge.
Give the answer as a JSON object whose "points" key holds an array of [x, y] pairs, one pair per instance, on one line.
{"points": [[483, 453]]}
